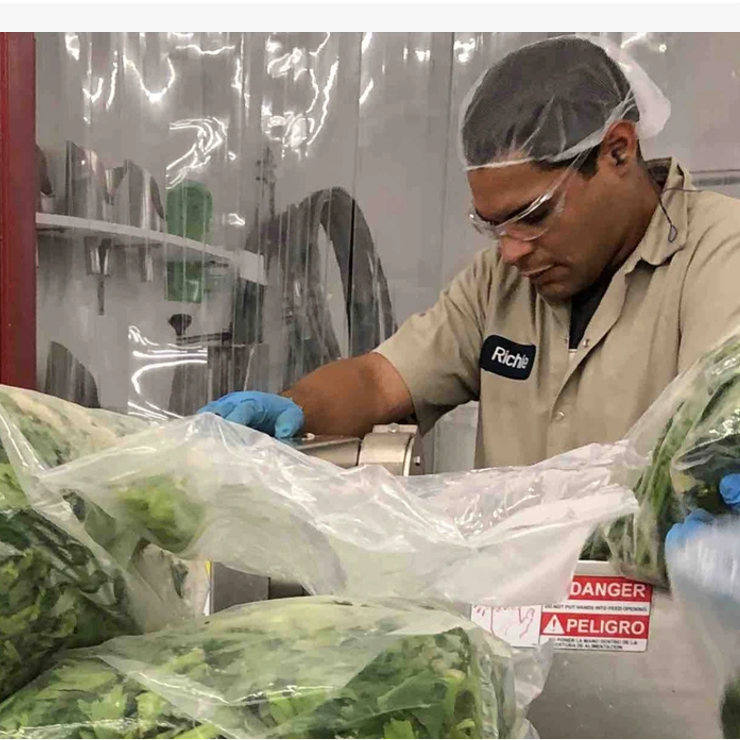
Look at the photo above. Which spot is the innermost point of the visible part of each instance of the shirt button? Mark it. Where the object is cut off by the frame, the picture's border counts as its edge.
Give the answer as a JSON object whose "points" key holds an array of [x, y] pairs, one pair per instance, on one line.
{"points": [[560, 416], [586, 342]]}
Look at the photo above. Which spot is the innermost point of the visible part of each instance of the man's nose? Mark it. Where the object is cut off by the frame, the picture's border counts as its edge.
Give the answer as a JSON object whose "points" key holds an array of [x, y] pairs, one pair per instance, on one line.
{"points": [[512, 250]]}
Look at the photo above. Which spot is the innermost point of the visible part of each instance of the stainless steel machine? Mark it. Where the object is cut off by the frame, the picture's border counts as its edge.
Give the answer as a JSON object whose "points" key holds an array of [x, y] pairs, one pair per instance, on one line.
{"points": [[397, 447]]}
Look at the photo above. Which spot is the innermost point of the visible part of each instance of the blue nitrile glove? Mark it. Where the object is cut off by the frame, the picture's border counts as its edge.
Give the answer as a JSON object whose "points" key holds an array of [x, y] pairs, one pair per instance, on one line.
{"points": [[266, 412], [729, 489], [693, 523]]}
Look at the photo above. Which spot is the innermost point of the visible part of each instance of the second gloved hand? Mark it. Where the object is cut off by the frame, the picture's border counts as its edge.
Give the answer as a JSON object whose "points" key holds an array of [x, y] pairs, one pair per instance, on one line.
{"points": [[266, 412], [729, 489]]}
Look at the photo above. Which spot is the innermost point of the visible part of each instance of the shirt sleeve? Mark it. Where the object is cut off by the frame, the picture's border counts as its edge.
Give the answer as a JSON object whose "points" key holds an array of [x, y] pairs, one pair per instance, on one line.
{"points": [[710, 305], [437, 351]]}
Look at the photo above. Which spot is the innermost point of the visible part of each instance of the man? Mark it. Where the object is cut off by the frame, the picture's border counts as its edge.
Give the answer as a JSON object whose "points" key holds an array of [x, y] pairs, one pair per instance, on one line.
{"points": [[608, 277]]}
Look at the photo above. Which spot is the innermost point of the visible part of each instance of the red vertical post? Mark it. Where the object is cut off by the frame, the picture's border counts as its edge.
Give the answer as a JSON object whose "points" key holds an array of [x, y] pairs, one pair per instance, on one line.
{"points": [[18, 190]]}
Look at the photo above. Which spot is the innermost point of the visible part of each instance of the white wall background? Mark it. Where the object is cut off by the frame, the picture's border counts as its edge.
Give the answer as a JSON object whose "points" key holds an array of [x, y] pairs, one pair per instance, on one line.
{"points": [[374, 113]]}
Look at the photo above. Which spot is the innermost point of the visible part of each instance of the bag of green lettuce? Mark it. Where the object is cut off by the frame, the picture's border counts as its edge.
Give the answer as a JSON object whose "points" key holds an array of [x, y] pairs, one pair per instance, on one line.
{"points": [[314, 667], [693, 430], [70, 576]]}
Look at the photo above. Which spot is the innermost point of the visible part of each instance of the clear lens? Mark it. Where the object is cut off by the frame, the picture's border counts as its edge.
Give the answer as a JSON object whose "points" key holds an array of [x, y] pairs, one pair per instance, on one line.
{"points": [[538, 218], [527, 227]]}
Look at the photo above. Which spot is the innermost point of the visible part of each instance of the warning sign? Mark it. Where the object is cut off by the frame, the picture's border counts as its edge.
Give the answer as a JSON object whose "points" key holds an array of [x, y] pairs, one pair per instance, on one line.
{"points": [[601, 613], [552, 626]]}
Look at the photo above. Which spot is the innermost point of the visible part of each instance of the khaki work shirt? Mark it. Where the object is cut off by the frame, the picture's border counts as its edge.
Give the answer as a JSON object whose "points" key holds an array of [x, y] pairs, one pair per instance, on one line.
{"points": [[491, 337]]}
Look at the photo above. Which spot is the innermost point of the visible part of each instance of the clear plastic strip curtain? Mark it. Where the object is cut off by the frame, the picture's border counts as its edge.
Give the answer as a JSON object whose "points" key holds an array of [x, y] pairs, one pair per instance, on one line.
{"points": [[228, 210], [280, 147]]}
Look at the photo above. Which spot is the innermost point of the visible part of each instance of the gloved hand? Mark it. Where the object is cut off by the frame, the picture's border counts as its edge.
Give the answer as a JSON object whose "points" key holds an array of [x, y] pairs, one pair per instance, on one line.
{"points": [[266, 412], [729, 489]]}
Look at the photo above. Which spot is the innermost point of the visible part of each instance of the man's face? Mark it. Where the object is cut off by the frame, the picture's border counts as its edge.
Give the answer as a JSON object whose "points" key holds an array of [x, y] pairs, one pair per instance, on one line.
{"points": [[582, 224]]}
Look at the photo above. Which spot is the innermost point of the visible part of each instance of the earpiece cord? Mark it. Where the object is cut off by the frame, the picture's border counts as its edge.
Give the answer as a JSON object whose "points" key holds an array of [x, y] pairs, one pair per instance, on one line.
{"points": [[672, 230]]}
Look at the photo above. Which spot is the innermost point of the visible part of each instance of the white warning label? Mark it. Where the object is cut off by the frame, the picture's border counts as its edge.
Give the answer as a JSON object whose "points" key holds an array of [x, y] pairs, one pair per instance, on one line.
{"points": [[601, 613]]}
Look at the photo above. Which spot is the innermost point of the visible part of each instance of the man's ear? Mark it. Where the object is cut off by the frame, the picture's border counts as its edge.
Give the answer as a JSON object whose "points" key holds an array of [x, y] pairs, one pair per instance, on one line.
{"points": [[619, 148]]}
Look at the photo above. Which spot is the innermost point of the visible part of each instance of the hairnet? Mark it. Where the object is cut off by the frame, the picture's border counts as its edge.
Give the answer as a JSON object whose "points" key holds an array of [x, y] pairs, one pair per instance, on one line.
{"points": [[555, 99]]}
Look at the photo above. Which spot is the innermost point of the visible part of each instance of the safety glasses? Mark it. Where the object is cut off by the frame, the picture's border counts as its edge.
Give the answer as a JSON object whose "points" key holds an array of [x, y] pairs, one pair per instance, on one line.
{"points": [[538, 218]]}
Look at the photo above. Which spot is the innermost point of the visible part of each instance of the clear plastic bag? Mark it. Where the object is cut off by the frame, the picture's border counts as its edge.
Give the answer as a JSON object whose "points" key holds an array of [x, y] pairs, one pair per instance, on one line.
{"points": [[696, 422], [704, 569], [293, 668], [69, 575], [205, 488]]}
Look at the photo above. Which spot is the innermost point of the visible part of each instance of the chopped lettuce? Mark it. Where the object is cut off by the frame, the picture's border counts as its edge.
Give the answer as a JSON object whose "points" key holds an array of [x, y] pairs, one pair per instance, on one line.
{"points": [[313, 667], [67, 569]]}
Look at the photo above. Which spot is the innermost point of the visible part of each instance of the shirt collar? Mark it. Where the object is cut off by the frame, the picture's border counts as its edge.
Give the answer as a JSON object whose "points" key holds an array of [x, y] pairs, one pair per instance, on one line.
{"points": [[660, 242]]}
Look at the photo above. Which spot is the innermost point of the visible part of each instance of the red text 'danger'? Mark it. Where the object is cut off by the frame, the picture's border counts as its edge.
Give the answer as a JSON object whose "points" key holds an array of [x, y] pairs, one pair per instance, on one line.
{"points": [[608, 588]]}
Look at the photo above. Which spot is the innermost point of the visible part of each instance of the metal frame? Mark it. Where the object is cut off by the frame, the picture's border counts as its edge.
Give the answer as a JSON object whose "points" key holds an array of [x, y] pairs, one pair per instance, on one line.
{"points": [[18, 193]]}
